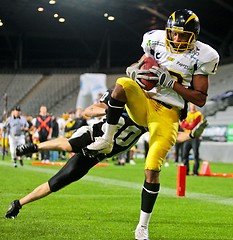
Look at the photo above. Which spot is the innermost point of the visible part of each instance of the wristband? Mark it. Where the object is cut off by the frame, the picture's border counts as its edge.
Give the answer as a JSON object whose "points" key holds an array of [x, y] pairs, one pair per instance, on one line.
{"points": [[191, 136]]}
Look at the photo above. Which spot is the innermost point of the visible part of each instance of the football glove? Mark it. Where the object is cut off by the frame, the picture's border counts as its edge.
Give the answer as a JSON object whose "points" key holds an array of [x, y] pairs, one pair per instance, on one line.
{"points": [[198, 129], [163, 76], [135, 73]]}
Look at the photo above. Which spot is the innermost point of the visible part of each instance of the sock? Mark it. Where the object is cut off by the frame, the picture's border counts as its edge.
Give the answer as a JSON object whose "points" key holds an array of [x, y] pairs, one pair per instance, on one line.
{"points": [[109, 132], [149, 195], [115, 109], [144, 219]]}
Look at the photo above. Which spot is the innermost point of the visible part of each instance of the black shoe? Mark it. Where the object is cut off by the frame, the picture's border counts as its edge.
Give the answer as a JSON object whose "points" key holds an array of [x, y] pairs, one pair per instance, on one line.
{"points": [[13, 209], [26, 149]]}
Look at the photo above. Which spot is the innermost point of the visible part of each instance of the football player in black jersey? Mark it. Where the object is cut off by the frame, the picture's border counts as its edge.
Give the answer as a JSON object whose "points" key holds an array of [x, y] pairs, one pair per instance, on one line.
{"points": [[126, 136]]}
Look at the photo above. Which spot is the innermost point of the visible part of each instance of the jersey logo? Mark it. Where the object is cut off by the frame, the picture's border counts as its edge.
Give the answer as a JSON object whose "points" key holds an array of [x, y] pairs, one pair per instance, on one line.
{"points": [[157, 55], [170, 59], [148, 43]]}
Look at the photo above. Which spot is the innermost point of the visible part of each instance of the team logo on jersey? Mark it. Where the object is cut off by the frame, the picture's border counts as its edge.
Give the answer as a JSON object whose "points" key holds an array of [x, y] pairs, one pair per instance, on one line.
{"points": [[158, 55], [148, 43], [171, 59], [183, 65]]}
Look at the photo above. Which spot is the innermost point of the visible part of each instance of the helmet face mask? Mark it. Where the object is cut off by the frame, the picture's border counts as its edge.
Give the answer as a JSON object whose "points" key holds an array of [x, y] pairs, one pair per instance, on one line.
{"points": [[186, 25], [179, 46]]}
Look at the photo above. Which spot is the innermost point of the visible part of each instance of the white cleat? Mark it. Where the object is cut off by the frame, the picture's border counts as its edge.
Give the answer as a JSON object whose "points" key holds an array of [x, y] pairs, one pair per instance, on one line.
{"points": [[141, 233], [101, 145]]}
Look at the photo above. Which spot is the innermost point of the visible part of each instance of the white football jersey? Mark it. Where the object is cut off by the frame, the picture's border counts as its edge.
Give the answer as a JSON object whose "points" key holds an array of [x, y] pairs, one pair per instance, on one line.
{"points": [[203, 59]]}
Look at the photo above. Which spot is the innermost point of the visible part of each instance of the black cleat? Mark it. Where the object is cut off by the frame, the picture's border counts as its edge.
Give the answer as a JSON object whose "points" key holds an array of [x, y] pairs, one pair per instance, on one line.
{"points": [[13, 210], [26, 149]]}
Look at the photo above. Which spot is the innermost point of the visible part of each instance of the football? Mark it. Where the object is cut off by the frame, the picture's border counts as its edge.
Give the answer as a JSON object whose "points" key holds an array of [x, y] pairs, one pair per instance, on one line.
{"points": [[148, 63]]}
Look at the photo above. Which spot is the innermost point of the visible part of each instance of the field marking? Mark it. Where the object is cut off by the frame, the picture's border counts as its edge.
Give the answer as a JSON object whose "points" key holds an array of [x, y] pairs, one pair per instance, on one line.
{"points": [[107, 181]]}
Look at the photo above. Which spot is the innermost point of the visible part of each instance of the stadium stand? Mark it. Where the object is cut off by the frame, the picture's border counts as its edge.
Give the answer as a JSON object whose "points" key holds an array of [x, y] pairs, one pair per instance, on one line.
{"points": [[52, 91], [59, 93], [219, 113], [16, 86]]}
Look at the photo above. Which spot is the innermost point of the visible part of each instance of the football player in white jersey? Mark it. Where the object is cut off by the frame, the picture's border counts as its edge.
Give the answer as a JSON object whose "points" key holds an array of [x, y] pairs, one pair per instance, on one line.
{"points": [[185, 65]]}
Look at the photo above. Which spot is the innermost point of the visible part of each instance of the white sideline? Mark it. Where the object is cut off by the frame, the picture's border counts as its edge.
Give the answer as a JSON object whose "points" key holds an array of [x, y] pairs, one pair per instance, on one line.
{"points": [[105, 181]]}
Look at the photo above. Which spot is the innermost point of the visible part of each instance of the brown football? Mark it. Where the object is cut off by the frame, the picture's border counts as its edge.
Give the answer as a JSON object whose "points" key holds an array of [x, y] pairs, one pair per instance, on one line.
{"points": [[148, 63]]}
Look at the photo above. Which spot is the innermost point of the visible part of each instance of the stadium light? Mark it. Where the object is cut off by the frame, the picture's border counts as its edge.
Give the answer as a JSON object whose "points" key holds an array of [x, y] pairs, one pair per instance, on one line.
{"points": [[40, 9], [61, 20], [52, 2], [111, 18]]}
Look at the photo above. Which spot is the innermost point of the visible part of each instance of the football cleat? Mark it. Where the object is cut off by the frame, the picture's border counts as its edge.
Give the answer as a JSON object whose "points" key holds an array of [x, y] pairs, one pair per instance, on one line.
{"points": [[100, 145], [26, 148], [13, 209], [141, 233]]}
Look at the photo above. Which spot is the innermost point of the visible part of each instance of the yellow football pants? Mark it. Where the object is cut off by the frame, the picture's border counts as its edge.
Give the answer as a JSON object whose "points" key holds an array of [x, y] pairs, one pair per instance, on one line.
{"points": [[161, 121]]}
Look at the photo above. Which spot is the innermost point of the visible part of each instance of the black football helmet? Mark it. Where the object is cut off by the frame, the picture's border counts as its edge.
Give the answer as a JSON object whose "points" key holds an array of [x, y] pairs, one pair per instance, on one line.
{"points": [[182, 21]]}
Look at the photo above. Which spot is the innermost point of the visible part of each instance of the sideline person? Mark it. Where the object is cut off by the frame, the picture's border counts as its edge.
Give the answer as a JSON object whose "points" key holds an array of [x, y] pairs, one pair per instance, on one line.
{"points": [[16, 126], [193, 118]]}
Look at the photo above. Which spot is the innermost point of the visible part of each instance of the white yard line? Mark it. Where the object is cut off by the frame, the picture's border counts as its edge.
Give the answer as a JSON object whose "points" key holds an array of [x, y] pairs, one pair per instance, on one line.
{"points": [[166, 191]]}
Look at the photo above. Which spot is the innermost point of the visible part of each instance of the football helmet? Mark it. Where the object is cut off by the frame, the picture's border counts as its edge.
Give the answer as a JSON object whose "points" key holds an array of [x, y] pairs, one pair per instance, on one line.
{"points": [[185, 23]]}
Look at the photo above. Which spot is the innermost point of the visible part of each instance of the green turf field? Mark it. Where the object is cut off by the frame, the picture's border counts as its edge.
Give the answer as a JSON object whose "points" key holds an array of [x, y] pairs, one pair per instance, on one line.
{"points": [[106, 204]]}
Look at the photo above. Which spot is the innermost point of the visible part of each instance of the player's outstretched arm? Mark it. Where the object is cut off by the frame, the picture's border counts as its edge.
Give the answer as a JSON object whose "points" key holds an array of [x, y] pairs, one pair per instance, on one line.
{"points": [[198, 129], [95, 110], [195, 133]]}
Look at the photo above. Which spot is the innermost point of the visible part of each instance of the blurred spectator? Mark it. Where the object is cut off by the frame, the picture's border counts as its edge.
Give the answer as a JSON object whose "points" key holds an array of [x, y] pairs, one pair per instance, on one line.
{"points": [[44, 128], [74, 123], [15, 126], [29, 134], [80, 120], [193, 118], [121, 159], [145, 138], [71, 124], [61, 125], [178, 149], [4, 140], [53, 155]]}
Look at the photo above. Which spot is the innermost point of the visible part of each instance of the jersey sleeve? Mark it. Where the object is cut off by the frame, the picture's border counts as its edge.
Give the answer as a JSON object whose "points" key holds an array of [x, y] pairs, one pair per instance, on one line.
{"points": [[146, 43], [209, 61], [150, 40]]}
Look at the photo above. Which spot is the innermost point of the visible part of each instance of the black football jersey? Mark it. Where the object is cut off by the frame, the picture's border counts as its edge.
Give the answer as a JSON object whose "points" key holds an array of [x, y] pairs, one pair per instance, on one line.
{"points": [[127, 134]]}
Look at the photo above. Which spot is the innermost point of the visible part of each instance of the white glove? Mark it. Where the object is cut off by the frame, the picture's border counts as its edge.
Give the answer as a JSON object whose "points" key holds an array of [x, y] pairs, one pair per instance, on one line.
{"points": [[163, 76], [198, 129], [135, 73]]}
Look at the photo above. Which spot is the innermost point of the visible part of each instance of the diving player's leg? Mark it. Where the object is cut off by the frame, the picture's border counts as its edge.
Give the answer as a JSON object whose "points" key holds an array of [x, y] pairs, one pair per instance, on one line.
{"points": [[75, 168], [75, 143], [60, 144]]}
